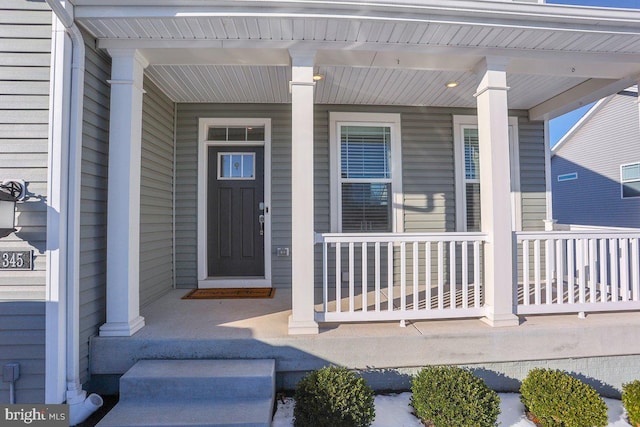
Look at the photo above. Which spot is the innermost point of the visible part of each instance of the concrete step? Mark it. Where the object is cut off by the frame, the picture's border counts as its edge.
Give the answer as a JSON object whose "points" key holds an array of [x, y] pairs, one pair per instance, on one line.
{"points": [[167, 380], [195, 393], [247, 413]]}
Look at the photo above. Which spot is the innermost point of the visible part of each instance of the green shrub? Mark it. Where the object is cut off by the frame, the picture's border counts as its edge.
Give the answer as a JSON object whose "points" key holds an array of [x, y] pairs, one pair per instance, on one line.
{"points": [[631, 401], [333, 397], [448, 396], [556, 399]]}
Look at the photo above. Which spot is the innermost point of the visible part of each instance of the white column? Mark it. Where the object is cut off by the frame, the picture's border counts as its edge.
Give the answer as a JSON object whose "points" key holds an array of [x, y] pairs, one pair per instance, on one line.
{"points": [[302, 319], [123, 212], [495, 191]]}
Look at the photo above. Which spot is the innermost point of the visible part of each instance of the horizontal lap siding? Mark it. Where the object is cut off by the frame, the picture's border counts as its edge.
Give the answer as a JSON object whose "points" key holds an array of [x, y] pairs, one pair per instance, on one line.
{"points": [[428, 174], [532, 173], [156, 195], [428, 170], [22, 341], [25, 55], [428, 181], [595, 152], [93, 205]]}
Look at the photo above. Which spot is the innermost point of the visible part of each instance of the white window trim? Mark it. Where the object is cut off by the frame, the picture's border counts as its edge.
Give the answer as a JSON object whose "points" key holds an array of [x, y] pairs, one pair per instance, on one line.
{"points": [[203, 144], [459, 123], [567, 177], [383, 119], [622, 182]]}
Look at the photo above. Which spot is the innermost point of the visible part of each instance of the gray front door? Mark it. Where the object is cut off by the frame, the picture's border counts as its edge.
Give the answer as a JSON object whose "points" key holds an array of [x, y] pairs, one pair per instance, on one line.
{"points": [[235, 216]]}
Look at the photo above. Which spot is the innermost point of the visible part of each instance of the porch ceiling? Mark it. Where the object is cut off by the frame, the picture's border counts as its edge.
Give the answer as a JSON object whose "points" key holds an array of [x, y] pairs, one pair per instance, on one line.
{"points": [[346, 85], [379, 52]]}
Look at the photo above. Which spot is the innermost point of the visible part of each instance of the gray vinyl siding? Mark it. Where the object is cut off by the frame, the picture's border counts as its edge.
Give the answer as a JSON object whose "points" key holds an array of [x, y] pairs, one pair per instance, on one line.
{"points": [[607, 140], [428, 174], [25, 56], [93, 205], [156, 195], [22, 341], [532, 173]]}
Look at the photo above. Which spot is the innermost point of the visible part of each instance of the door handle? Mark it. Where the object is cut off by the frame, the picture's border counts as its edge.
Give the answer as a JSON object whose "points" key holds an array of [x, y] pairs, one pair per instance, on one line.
{"points": [[261, 221]]}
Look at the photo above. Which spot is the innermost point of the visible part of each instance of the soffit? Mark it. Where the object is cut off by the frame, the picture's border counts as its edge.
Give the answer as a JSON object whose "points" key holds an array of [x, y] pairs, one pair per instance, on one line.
{"points": [[257, 31], [381, 52], [345, 85]]}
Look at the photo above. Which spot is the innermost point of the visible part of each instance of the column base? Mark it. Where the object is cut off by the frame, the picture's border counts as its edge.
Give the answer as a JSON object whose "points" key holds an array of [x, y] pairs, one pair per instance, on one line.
{"points": [[501, 320], [122, 329], [303, 328]]}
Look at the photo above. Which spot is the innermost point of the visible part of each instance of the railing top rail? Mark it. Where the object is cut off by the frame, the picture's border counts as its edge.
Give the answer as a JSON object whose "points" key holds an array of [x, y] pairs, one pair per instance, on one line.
{"points": [[591, 234], [399, 237]]}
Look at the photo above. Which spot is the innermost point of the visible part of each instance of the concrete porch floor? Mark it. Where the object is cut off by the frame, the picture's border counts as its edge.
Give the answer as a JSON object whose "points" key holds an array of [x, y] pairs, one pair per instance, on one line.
{"points": [[257, 328]]}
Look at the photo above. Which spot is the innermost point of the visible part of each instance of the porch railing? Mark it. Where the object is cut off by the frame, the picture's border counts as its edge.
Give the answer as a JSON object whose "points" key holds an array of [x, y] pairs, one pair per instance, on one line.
{"points": [[400, 276], [578, 271]]}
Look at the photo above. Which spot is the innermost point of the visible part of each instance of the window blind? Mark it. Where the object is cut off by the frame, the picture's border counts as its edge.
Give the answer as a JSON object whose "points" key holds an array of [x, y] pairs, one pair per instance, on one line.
{"points": [[365, 160], [472, 178], [365, 152]]}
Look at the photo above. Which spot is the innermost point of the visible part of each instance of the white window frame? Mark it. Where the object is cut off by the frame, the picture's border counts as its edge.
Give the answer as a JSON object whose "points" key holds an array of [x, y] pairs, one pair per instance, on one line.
{"points": [[622, 182], [204, 281], [338, 119], [567, 177], [459, 124]]}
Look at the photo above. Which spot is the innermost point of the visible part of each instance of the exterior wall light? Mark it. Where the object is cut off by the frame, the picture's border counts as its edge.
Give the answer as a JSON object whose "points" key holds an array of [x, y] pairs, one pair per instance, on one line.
{"points": [[11, 191]]}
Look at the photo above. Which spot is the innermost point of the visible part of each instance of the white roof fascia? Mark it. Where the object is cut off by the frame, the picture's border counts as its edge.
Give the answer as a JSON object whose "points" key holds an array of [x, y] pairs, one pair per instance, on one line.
{"points": [[535, 15], [627, 60], [580, 123]]}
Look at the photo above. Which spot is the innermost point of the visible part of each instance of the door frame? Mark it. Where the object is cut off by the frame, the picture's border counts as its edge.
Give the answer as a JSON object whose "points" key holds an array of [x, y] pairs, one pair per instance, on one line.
{"points": [[204, 281]]}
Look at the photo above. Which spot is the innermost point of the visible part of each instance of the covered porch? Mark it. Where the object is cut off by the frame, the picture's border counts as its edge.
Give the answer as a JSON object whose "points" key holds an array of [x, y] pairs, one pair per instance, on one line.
{"points": [[385, 352], [402, 63]]}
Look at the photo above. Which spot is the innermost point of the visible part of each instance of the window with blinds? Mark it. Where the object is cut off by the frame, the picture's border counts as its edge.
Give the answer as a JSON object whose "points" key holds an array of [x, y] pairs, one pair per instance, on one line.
{"points": [[365, 178], [472, 177]]}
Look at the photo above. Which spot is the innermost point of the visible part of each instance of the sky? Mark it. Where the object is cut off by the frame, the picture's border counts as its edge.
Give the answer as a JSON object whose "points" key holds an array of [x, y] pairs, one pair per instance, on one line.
{"points": [[560, 125]]}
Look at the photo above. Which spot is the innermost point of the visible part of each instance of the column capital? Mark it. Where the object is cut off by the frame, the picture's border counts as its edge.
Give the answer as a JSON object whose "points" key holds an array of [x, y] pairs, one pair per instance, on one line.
{"points": [[491, 63], [492, 75], [134, 54], [302, 58]]}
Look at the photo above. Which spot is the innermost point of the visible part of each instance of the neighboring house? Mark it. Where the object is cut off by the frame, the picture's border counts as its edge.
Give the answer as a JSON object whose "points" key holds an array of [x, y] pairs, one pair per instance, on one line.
{"points": [[596, 166], [389, 155]]}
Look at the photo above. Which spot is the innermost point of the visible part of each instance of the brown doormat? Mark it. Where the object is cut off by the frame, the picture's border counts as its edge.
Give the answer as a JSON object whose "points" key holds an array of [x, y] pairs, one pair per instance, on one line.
{"points": [[230, 293]]}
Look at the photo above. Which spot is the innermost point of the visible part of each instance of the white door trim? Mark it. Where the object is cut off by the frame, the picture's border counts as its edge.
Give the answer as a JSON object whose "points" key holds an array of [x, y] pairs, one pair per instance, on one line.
{"points": [[225, 282]]}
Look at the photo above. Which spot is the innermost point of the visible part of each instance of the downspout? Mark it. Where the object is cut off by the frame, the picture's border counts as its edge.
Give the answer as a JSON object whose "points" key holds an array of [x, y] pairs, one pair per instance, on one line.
{"points": [[80, 406]]}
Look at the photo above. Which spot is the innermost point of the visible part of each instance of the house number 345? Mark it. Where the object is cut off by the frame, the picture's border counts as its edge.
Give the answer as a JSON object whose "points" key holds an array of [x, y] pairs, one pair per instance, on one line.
{"points": [[15, 260]]}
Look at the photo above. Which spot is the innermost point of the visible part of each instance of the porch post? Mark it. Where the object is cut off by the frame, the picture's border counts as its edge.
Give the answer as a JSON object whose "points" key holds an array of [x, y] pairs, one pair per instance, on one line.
{"points": [[495, 191], [123, 210], [302, 319]]}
